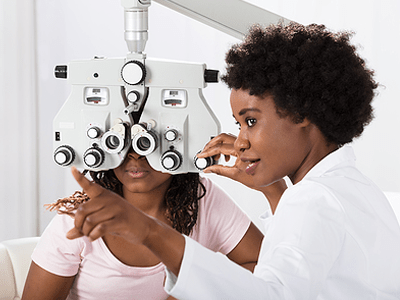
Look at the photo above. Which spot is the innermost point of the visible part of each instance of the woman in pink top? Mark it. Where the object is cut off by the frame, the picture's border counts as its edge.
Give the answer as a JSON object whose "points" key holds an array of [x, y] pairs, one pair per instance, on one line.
{"points": [[112, 267]]}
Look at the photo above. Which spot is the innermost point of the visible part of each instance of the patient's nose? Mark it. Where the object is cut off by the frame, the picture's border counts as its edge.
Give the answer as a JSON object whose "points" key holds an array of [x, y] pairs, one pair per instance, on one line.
{"points": [[136, 156]]}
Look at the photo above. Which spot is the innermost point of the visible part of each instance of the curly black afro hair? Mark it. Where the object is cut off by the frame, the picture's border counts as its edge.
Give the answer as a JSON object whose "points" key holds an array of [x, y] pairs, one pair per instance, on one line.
{"points": [[311, 73]]}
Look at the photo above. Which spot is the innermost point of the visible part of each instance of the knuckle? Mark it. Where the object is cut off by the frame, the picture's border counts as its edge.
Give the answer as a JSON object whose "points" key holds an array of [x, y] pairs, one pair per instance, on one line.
{"points": [[102, 228], [82, 208], [89, 220]]}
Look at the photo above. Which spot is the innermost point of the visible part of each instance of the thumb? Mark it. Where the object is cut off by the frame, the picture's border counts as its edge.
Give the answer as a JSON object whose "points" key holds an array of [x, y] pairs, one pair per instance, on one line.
{"points": [[73, 234]]}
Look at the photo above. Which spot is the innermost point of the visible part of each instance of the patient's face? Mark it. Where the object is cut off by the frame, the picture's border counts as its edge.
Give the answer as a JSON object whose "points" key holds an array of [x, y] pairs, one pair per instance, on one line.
{"points": [[137, 176]]}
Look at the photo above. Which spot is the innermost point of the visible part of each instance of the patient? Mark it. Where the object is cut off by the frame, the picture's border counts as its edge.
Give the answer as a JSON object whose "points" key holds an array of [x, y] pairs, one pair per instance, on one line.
{"points": [[111, 267]]}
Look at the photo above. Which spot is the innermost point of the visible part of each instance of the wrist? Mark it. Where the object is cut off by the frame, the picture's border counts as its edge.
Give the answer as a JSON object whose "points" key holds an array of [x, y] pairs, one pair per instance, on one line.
{"points": [[153, 232]]}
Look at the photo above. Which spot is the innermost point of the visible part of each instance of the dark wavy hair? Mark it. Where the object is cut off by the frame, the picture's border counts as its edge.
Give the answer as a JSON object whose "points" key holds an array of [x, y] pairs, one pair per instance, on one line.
{"points": [[310, 72], [181, 199]]}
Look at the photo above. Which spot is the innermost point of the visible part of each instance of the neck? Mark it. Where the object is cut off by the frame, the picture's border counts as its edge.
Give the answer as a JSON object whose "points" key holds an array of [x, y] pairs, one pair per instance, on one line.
{"points": [[150, 202], [273, 193], [319, 148]]}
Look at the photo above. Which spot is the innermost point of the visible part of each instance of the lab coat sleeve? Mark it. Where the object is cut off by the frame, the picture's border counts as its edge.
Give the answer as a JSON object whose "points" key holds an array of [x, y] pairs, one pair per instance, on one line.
{"points": [[196, 273], [300, 245]]}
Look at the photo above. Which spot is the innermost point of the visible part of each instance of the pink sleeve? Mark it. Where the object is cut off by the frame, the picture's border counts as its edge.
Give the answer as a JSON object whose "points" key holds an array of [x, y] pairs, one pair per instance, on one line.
{"points": [[221, 224], [54, 252]]}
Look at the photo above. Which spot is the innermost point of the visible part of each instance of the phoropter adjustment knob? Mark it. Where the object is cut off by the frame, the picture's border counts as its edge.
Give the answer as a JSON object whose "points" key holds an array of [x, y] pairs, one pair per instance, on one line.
{"points": [[203, 163], [64, 155], [171, 160], [61, 71], [171, 135], [93, 132], [211, 75], [93, 157], [133, 96], [133, 72]]}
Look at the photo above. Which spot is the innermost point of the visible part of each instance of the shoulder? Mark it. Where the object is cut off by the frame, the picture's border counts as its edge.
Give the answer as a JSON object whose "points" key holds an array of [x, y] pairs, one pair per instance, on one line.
{"points": [[221, 224], [311, 207], [56, 230], [216, 200], [310, 195], [60, 223], [54, 252], [213, 190]]}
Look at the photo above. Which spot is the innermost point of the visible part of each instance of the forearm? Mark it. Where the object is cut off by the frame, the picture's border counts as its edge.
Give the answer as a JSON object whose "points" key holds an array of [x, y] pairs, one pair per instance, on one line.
{"points": [[167, 244], [206, 274]]}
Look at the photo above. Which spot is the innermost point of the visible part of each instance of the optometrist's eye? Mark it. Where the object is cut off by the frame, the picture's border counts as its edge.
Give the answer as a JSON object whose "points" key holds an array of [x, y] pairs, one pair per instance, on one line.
{"points": [[251, 122], [238, 124]]}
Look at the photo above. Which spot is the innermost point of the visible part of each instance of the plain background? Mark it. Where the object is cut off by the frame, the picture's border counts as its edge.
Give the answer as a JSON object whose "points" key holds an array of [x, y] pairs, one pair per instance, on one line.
{"points": [[37, 35]]}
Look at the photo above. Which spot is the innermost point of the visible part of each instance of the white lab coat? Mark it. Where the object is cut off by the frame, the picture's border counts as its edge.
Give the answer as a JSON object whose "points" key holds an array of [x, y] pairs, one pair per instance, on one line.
{"points": [[333, 236]]}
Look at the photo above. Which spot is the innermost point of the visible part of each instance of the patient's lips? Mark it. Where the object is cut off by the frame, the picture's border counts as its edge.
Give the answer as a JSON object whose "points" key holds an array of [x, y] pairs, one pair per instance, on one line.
{"points": [[137, 172]]}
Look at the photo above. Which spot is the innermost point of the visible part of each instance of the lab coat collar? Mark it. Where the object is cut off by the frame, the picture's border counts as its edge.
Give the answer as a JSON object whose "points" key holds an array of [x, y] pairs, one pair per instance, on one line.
{"points": [[338, 158], [343, 156]]}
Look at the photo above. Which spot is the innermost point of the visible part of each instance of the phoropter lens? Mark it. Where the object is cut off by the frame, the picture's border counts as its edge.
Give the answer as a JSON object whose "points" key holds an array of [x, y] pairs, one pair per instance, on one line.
{"points": [[143, 143], [112, 142]]}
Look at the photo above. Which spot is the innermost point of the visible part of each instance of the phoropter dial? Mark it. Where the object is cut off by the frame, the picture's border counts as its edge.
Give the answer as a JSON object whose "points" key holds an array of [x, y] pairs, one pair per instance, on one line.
{"points": [[93, 132], [133, 96], [64, 155], [93, 157], [171, 160], [203, 163], [171, 135], [133, 72]]}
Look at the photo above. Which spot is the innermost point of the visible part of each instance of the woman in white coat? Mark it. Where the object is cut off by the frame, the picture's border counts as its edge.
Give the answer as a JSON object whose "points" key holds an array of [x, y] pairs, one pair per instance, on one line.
{"points": [[299, 95]]}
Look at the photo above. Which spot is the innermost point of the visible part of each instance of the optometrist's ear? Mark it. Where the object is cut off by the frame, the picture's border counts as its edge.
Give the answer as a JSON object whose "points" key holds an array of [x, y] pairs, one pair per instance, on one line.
{"points": [[305, 123]]}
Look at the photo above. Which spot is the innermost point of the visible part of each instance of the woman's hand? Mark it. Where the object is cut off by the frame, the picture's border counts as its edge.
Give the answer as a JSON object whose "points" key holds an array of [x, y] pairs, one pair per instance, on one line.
{"points": [[223, 144], [107, 213]]}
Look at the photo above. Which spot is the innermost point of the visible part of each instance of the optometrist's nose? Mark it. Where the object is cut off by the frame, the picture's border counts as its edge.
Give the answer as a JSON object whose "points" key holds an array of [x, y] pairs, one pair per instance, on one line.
{"points": [[241, 143]]}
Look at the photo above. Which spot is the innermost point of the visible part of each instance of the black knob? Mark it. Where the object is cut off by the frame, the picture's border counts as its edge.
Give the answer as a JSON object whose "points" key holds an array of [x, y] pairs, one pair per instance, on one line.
{"points": [[64, 155], [211, 75], [61, 71], [93, 157], [171, 160]]}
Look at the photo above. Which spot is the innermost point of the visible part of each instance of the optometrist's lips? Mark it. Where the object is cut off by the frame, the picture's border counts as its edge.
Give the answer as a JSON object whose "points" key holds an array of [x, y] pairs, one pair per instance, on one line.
{"points": [[251, 165]]}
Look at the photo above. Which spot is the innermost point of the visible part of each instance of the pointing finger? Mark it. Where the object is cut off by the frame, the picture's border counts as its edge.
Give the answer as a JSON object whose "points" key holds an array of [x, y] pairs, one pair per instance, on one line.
{"points": [[90, 188]]}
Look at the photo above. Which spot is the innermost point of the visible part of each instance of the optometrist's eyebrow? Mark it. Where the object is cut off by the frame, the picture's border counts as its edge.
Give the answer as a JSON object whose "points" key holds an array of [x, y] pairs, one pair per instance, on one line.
{"points": [[245, 110]]}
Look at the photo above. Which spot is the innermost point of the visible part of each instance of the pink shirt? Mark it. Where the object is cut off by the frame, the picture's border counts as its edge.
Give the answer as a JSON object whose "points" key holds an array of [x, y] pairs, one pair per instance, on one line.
{"points": [[100, 275]]}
